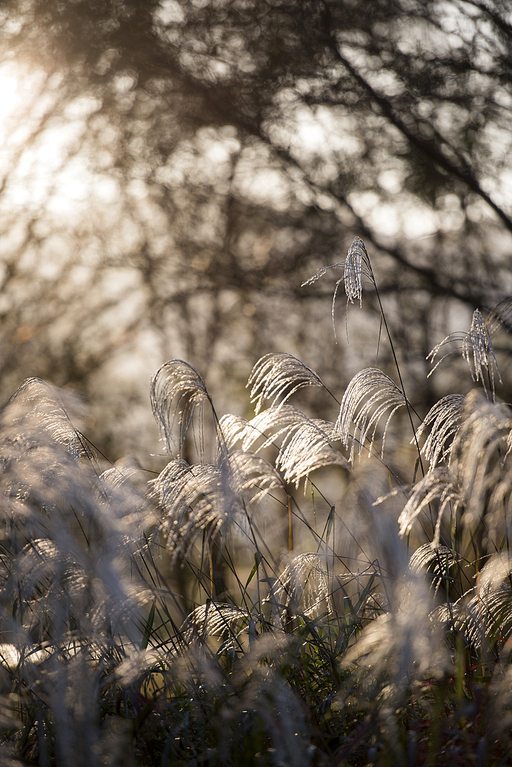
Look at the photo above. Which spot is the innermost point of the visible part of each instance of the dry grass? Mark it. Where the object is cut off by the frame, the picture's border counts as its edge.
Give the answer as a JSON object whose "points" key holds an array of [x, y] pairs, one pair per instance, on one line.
{"points": [[216, 614]]}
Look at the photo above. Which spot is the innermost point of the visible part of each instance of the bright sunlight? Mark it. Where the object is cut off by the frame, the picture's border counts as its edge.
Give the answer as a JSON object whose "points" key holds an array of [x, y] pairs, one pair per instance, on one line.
{"points": [[41, 162]]}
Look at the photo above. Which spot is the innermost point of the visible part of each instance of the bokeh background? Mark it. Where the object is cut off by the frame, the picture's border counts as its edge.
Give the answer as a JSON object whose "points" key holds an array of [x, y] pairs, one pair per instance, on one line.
{"points": [[171, 173]]}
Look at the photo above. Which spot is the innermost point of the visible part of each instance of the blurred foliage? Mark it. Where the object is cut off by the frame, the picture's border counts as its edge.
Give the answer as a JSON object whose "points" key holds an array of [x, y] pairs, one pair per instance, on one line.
{"points": [[173, 171]]}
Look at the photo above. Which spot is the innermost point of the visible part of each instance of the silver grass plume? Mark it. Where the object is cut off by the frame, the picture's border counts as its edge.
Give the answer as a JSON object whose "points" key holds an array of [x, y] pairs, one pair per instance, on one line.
{"points": [[79, 542], [233, 428], [51, 410], [216, 619], [442, 420], [136, 661], [484, 612], [268, 427], [253, 475], [476, 349], [277, 376], [119, 476], [368, 396], [356, 267], [437, 560], [402, 644], [303, 588], [304, 444], [177, 390], [428, 554], [483, 464], [50, 579], [194, 499], [307, 448], [124, 482], [46, 485], [439, 486], [69, 603], [477, 481]]}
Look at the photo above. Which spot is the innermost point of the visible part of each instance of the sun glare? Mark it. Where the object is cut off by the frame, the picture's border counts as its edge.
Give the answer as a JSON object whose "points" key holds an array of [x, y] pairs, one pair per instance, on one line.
{"points": [[17, 88], [43, 167], [9, 94]]}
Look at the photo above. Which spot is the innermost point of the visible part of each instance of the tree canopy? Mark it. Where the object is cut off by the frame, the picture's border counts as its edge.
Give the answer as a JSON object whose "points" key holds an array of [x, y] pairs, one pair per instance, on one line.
{"points": [[173, 171]]}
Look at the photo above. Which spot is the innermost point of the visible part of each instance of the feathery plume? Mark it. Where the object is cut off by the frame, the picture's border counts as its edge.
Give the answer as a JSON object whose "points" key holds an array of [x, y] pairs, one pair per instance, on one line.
{"points": [[438, 486], [217, 619], [270, 426], [401, 644], [233, 428], [356, 266], [36, 406], [483, 465], [253, 474], [303, 588], [476, 348], [277, 377], [368, 396], [437, 560], [308, 447], [176, 391], [443, 419], [195, 499], [484, 612]]}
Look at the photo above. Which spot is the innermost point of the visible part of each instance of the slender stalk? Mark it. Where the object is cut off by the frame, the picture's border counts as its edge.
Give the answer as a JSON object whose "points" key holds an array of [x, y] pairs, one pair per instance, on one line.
{"points": [[409, 407], [290, 525]]}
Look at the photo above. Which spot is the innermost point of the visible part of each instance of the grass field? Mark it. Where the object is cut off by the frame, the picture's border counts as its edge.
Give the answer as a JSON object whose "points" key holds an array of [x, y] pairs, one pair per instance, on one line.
{"points": [[278, 594]]}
